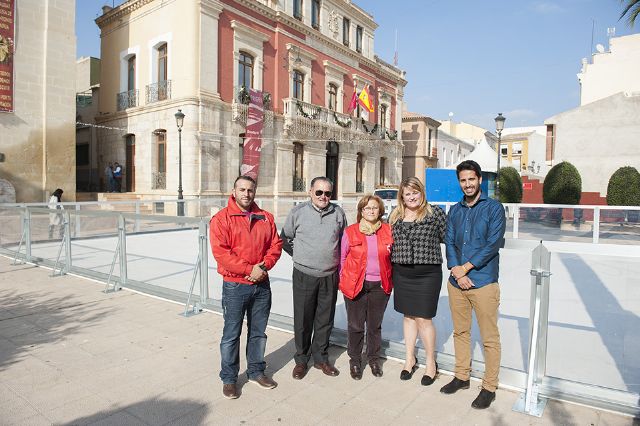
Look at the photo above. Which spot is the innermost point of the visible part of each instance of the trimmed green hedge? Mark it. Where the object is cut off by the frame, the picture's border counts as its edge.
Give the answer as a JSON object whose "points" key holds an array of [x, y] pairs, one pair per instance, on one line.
{"points": [[510, 185], [624, 187], [562, 185]]}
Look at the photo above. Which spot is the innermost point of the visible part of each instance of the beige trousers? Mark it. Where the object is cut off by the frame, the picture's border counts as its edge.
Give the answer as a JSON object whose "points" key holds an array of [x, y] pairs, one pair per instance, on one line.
{"points": [[484, 301]]}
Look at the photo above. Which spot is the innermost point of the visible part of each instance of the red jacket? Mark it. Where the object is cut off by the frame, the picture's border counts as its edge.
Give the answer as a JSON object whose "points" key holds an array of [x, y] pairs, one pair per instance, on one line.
{"points": [[355, 265], [239, 241]]}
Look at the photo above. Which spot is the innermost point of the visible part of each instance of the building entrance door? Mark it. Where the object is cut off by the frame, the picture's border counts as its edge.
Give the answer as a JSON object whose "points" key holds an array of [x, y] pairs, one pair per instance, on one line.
{"points": [[130, 166], [332, 166]]}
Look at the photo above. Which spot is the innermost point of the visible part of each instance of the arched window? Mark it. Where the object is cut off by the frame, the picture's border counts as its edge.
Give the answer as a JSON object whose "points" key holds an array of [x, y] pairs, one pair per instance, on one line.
{"points": [[333, 97], [245, 70], [162, 72], [298, 164], [359, 172], [298, 85], [131, 73], [315, 14]]}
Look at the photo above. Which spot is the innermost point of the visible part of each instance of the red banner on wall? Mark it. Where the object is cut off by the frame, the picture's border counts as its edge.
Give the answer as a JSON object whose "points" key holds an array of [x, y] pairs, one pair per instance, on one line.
{"points": [[253, 142], [7, 31]]}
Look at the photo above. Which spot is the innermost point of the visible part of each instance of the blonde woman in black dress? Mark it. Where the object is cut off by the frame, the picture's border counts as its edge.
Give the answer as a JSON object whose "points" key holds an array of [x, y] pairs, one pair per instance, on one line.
{"points": [[418, 229]]}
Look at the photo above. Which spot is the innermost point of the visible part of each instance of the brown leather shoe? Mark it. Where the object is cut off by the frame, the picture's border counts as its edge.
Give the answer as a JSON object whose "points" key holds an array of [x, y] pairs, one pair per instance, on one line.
{"points": [[264, 382], [299, 371], [327, 368], [230, 391], [376, 369]]}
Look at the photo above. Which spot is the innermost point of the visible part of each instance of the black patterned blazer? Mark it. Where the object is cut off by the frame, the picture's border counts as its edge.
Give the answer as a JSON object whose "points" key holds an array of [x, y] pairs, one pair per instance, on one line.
{"points": [[419, 242]]}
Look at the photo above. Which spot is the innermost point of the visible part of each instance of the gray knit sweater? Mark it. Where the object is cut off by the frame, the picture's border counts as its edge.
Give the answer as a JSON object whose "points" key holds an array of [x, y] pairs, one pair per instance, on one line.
{"points": [[312, 238]]}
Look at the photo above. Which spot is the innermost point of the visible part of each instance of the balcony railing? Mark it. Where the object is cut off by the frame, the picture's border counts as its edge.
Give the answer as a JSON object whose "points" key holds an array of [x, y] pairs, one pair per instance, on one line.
{"points": [[308, 119], [128, 99], [240, 106], [359, 186], [160, 91], [159, 180], [298, 184]]}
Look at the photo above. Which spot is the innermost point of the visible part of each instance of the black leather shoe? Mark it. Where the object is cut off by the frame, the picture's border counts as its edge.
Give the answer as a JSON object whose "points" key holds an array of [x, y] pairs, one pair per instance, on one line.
{"points": [[407, 375], [356, 372], [427, 380], [484, 399], [455, 385], [376, 369]]}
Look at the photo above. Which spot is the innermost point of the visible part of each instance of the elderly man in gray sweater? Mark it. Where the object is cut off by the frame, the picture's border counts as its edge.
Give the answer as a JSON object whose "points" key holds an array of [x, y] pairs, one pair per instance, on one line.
{"points": [[311, 235]]}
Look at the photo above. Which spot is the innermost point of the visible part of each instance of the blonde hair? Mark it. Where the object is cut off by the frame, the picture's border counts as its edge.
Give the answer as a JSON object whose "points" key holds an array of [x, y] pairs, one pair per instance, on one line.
{"points": [[363, 203], [424, 209]]}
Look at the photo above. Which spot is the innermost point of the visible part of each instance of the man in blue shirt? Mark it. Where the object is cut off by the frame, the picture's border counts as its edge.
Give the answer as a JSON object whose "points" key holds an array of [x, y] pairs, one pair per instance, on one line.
{"points": [[475, 233]]}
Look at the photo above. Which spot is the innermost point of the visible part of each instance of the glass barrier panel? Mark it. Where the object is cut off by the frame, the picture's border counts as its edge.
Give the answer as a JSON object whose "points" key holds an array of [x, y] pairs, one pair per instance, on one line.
{"points": [[556, 224], [47, 230], [594, 320], [11, 229], [620, 226]]}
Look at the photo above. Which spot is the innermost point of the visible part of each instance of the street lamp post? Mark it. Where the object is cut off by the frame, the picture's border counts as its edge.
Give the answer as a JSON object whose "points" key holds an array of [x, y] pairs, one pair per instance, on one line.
{"points": [[499, 127], [179, 122]]}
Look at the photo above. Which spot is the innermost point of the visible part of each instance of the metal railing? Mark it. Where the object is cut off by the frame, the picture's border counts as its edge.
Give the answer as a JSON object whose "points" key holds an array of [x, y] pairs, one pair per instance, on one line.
{"points": [[160, 91], [298, 184], [128, 99], [567, 307]]}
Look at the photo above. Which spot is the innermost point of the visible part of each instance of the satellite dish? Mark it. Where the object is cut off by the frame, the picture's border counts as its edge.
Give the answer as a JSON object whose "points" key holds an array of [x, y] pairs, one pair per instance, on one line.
{"points": [[450, 114], [600, 48]]}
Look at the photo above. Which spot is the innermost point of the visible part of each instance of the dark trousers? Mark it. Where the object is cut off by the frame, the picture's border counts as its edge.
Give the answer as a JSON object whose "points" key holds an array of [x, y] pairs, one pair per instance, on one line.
{"points": [[314, 306], [367, 307]]}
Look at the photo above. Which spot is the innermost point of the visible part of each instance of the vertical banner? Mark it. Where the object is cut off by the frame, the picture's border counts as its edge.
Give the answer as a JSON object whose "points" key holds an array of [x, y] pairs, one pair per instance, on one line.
{"points": [[253, 136], [7, 31]]}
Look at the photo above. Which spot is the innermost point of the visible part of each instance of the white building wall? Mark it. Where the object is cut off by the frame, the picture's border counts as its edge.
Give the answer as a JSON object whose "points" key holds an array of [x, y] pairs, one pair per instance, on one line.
{"points": [[612, 72]]}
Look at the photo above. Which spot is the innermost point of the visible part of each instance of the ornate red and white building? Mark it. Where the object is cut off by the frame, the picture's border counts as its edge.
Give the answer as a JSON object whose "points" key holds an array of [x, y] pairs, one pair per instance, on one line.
{"points": [[158, 56]]}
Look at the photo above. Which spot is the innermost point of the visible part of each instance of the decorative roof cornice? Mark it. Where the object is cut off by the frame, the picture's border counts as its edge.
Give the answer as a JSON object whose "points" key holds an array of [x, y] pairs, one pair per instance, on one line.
{"points": [[121, 11]]}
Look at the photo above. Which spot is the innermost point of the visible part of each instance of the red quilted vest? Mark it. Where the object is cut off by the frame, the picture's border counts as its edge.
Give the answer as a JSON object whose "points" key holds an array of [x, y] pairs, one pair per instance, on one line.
{"points": [[355, 265]]}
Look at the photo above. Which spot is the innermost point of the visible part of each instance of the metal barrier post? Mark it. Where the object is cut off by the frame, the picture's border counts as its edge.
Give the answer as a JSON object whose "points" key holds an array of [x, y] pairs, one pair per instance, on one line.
{"points": [[136, 227], [122, 237], [27, 234], [204, 262], [23, 237], [596, 225], [530, 402], [67, 238], [516, 221], [77, 217]]}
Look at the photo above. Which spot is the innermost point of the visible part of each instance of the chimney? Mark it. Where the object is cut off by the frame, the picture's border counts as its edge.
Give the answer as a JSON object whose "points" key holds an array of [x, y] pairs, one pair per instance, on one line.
{"points": [[106, 9]]}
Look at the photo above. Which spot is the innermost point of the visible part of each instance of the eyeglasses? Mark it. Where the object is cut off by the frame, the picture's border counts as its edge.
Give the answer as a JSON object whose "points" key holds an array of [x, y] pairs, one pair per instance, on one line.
{"points": [[326, 193], [370, 209]]}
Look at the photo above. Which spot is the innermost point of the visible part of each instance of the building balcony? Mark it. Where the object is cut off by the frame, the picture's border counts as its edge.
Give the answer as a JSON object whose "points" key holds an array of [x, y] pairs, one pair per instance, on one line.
{"points": [[160, 91], [128, 99], [307, 119], [240, 106]]}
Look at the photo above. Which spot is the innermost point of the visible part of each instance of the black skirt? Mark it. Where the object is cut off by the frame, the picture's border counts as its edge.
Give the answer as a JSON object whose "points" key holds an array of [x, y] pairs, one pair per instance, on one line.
{"points": [[416, 289]]}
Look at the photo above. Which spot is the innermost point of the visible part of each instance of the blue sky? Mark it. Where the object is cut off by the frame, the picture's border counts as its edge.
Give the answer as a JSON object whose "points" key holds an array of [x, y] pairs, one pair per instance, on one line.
{"points": [[472, 58]]}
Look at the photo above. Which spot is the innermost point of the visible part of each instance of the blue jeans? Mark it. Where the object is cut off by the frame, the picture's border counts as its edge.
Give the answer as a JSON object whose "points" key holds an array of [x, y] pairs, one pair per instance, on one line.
{"points": [[255, 301]]}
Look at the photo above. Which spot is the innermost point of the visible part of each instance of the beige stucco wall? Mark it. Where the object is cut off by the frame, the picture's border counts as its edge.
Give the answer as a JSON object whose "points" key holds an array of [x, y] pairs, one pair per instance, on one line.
{"points": [[38, 139], [613, 71], [465, 131], [416, 156], [599, 138]]}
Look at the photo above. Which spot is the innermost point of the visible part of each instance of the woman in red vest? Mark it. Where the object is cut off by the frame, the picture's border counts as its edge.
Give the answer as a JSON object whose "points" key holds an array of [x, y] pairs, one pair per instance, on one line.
{"points": [[365, 281]]}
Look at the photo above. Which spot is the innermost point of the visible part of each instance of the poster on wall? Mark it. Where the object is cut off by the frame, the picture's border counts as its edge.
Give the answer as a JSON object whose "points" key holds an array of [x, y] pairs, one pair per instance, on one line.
{"points": [[253, 142], [7, 37]]}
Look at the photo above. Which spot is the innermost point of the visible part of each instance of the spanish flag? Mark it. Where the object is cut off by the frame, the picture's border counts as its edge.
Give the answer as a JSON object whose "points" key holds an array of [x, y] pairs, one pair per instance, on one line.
{"points": [[365, 99]]}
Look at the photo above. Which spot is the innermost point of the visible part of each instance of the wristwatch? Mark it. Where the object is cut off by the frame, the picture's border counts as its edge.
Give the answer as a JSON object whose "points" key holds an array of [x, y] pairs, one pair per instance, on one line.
{"points": [[264, 268]]}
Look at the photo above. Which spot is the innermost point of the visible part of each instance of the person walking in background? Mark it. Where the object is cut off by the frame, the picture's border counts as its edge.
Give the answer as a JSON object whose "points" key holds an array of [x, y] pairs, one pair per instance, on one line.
{"points": [[55, 219], [475, 233], [365, 282], [108, 176], [311, 235], [418, 229], [117, 176], [246, 245]]}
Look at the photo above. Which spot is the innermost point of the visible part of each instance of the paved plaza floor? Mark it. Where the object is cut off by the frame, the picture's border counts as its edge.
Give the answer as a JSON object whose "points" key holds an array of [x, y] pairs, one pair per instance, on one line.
{"points": [[70, 354]]}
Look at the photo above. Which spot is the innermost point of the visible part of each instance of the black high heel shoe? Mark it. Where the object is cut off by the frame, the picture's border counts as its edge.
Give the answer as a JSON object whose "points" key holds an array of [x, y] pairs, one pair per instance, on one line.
{"points": [[406, 375], [428, 381]]}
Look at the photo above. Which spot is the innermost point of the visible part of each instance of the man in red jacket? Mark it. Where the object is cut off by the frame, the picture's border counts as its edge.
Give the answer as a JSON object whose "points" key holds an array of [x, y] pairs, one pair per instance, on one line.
{"points": [[245, 244]]}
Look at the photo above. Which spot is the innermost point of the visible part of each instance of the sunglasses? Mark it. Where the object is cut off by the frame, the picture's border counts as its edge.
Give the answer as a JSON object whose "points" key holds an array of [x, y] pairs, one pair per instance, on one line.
{"points": [[326, 193]]}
